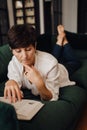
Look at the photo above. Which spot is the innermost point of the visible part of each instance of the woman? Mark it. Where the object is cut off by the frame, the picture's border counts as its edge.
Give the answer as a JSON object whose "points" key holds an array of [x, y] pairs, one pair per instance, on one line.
{"points": [[32, 69]]}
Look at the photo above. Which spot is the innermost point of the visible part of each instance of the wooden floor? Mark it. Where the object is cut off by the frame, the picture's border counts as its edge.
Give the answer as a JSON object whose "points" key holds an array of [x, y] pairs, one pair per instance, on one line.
{"points": [[82, 123]]}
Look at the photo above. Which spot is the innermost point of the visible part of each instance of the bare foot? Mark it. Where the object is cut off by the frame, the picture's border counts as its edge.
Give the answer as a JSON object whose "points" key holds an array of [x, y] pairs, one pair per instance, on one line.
{"points": [[61, 36], [62, 40], [65, 41], [60, 29]]}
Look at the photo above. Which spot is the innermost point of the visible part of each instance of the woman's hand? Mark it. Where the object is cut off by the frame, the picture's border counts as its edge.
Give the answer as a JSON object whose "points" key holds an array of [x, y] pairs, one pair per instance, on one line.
{"points": [[12, 91], [33, 75]]}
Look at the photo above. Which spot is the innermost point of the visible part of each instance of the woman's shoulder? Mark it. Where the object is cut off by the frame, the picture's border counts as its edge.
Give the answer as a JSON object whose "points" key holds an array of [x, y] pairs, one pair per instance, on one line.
{"points": [[14, 62], [46, 57]]}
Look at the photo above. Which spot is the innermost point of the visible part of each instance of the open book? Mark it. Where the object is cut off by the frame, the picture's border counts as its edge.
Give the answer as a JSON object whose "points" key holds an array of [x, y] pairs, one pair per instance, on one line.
{"points": [[25, 109]]}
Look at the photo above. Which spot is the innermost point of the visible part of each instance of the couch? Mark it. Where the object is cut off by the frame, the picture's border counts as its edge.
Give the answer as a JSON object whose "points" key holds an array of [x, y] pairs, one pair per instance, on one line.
{"points": [[56, 115]]}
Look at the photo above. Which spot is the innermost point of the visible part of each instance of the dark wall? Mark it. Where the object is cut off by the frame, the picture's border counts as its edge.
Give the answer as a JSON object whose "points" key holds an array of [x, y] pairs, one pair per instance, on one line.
{"points": [[82, 16]]}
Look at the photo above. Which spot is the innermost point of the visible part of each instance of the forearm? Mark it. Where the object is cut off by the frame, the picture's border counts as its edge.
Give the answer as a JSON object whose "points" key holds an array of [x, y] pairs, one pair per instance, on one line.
{"points": [[45, 94]]}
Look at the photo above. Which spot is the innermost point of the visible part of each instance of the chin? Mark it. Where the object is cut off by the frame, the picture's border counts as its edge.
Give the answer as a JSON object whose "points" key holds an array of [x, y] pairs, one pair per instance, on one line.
{"points": [[29, 64], [26, 63]]}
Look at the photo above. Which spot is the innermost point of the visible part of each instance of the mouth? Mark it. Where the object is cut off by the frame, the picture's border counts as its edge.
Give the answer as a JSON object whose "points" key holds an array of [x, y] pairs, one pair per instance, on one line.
{"points": [[25, 61]]}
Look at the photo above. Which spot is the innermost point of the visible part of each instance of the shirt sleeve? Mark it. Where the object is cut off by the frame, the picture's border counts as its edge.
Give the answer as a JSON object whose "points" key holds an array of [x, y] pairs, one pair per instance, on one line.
{"points": [[14, 73], [52, 82]]}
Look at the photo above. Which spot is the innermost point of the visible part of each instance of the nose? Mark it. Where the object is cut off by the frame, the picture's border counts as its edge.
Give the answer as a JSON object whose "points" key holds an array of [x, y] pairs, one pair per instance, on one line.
{"points": [[24, 54]]}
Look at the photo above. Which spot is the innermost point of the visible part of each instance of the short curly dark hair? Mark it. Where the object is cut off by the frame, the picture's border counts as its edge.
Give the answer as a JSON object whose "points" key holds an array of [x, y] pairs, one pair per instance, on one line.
{"points": [[21, 36]]}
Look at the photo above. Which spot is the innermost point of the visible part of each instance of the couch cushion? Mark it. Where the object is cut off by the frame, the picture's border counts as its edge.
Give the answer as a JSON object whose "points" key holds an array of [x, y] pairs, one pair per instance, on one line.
{"points": [[81, 54], [52, 117], [57, 115], [80, 76], [70, 93], [53, 114], [2, 85], [5, 56], [8, 118]]}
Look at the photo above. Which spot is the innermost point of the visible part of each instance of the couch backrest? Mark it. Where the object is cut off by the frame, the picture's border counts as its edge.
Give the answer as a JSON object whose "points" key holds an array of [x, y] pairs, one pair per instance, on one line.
{"points": [[77, 40], [44, 43]]}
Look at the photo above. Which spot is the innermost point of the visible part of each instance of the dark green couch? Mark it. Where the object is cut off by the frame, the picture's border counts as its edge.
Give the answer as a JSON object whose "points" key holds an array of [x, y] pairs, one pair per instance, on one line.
{"points": [[56, 115]]}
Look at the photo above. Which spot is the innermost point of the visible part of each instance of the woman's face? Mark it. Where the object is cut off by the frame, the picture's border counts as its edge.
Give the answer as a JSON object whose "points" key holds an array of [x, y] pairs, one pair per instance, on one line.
{"points": [[25, 55]]}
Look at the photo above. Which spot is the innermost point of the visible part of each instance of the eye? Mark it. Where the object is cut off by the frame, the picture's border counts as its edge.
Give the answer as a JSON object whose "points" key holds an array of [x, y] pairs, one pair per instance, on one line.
{"points": [[28, 49], [18, 50]]}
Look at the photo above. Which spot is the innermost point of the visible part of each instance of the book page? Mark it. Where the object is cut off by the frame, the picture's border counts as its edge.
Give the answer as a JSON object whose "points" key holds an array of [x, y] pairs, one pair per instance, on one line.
{"points": [[25, 108]]}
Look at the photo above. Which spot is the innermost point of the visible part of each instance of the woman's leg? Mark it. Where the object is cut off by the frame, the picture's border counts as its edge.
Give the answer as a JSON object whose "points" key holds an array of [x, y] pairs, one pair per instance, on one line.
{"points": [[70, 60], [64, 52], [57, 51]]}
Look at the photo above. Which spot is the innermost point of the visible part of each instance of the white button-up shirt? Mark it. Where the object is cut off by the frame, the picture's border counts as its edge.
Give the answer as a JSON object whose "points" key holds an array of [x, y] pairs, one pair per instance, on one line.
{"points": [[54, 74]]}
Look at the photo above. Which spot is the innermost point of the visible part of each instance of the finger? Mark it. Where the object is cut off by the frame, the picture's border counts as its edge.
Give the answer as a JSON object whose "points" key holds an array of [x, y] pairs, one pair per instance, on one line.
{"points": [[5, 93], [14, 98], [26, 66], [22, 95], [9, 95], [33, 68], [18, 94]]}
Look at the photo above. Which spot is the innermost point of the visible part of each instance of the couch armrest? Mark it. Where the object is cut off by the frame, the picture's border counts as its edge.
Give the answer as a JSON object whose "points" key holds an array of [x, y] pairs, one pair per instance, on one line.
{"points": [[8, 119]]}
